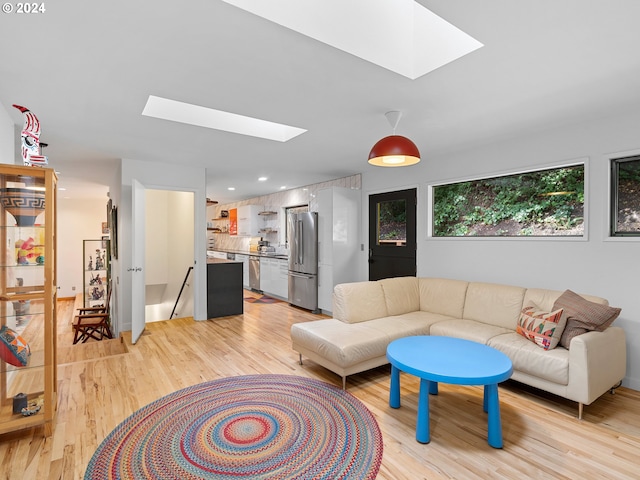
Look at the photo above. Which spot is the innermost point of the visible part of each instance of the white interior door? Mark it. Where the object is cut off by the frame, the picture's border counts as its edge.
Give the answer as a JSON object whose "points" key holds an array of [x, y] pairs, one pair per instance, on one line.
{"points": [[137, 261]]}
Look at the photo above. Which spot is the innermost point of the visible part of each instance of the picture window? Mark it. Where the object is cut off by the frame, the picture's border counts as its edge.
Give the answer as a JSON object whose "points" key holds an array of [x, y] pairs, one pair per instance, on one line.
{"points": [[542, 203], [625, 197]]}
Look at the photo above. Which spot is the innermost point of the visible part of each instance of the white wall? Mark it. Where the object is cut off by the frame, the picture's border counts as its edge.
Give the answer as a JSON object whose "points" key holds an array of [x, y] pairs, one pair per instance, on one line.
{"points": [[78, 220], [597, 265], [181, 247], [7, 137], [157, 240]]}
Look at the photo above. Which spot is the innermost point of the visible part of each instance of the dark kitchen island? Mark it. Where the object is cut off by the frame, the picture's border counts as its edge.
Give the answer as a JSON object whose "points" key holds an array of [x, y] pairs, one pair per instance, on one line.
{"points": [[224, 288]]}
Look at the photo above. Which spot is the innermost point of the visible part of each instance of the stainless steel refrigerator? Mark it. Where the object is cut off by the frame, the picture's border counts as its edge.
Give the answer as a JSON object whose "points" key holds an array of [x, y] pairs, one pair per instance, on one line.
{"points": [[302, 235]]}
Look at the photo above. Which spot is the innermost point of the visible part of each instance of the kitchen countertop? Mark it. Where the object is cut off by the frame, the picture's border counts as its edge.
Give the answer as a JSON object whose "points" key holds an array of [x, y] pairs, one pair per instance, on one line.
{"points": [[270, 255], [220, 260], [255, 254]]}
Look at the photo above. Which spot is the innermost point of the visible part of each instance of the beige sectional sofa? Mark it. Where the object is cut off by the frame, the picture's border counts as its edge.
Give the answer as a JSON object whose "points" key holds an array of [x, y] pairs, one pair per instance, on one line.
{"points": [[367, 316]]}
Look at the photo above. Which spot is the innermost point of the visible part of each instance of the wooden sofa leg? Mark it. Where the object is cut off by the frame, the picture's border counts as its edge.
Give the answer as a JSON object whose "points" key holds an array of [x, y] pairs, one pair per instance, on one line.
{"points": [[580, 407]]}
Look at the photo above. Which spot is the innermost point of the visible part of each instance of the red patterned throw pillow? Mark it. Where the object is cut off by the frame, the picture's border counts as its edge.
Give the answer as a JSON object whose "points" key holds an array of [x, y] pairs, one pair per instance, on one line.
{"points": [[542, 328], [13, 348]]}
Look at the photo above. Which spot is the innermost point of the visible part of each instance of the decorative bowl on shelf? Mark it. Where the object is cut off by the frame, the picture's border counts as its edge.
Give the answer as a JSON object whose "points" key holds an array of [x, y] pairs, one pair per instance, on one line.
{"points": [[25, 205]]}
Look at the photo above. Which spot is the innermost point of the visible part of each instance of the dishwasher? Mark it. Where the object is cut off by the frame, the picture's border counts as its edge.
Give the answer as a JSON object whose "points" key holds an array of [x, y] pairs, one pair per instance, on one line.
{"points": [[254, 273]]}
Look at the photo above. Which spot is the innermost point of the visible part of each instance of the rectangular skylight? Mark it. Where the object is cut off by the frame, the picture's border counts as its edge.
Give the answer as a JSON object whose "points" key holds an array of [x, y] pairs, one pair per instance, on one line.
{"points": [[176, 111], [399, 35]]}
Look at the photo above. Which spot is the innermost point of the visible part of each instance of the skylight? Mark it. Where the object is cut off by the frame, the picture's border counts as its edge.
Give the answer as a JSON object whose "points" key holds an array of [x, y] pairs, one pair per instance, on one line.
{"points": [[176, 111], [399, 35]]}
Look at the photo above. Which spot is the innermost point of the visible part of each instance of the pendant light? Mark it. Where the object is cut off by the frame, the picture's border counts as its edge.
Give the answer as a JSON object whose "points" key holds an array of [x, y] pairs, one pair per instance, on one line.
{"points": [[394, 150]]}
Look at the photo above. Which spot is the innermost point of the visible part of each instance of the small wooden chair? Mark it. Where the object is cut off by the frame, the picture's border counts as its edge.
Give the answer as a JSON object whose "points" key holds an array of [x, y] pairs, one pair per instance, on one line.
{"points": [[93, 322]]}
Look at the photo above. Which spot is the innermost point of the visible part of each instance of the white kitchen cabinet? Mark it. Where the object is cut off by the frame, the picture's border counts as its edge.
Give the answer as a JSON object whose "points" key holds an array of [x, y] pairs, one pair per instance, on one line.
{"points": [[266, 275], [240, 257], [249, 222], [282, 280], [274, 277], [339, 241]]}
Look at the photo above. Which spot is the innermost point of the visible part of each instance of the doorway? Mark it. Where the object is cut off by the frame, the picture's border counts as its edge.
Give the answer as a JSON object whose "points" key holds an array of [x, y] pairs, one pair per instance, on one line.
{"points": [[169, 225], [392, 234]]}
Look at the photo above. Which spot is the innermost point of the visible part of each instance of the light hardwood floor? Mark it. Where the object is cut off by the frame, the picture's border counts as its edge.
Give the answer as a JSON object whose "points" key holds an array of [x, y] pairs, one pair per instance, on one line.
{"points": [[101, 383]]}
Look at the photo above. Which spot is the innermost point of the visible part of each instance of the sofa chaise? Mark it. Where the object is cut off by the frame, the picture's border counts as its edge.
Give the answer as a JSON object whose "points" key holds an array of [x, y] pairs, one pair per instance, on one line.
{"points": [[559, 342]]}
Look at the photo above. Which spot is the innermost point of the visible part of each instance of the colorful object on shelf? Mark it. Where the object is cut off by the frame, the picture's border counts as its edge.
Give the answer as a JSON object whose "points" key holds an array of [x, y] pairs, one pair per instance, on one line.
{"points": [[25, 205], [13, 348], [31, 155], [246, 427], [31, 409], [28, 253]]}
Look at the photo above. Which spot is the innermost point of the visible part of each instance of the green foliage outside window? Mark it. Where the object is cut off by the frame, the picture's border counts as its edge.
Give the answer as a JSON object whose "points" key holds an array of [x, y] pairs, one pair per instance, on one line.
{"points": [[541, 203], [392, 220], [625, 201]]}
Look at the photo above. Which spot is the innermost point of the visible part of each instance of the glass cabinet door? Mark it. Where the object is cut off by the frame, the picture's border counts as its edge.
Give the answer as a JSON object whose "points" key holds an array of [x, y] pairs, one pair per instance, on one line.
{"points": [[27, 298]]}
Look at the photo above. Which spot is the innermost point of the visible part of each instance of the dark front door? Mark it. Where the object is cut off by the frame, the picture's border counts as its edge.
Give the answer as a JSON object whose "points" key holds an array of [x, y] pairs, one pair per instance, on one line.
{"points": [[392, 234]]}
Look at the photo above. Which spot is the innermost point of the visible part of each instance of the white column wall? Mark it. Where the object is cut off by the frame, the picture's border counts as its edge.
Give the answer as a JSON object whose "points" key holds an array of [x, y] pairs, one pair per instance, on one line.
{"points": [[7, 138]]}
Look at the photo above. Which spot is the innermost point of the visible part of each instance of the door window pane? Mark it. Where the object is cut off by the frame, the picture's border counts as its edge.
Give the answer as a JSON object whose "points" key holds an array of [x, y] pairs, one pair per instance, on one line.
{"points": [[392, 223], [625, 201]]}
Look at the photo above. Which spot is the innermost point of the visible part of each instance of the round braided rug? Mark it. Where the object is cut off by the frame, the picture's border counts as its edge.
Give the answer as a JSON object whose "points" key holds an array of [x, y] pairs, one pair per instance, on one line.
{"points": [[255, 426]]}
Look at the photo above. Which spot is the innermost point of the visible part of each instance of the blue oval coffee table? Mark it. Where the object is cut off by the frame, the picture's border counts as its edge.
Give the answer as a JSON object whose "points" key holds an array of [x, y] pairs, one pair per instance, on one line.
{"points": [[436, 359]]}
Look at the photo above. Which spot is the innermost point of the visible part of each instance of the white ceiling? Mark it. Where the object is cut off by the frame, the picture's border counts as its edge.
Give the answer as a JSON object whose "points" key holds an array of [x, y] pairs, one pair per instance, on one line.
{"points": [[86, 69]]}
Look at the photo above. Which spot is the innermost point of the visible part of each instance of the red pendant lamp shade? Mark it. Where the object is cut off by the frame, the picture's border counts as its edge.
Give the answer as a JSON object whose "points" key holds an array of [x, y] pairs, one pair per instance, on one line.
{"points": [[394, 150]]}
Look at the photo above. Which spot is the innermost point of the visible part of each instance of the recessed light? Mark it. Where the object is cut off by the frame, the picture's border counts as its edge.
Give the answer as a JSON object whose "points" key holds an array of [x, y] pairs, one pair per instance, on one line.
{"points": [[262, 179], [62, 189], [284, 187], [231, 188], [181, 112]]}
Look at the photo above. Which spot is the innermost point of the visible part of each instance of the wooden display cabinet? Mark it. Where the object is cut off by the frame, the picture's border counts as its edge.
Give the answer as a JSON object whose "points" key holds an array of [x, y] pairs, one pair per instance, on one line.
{"points": [[28, 290]]}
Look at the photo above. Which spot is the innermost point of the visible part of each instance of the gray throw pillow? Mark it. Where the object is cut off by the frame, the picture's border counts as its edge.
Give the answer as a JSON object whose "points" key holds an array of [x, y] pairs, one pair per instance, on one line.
{"points": [[583, 316]]}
